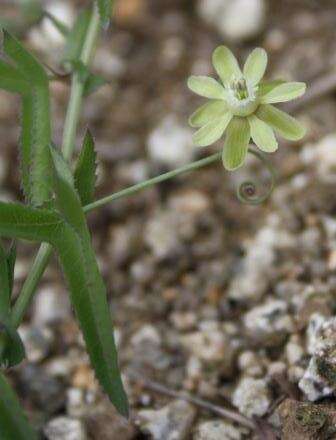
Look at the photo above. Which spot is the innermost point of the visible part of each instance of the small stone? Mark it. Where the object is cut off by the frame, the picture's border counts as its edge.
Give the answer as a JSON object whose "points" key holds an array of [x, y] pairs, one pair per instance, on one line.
{"points": [[251, 397], [217, 430], [234, 19], [269, 323], [322, 156], [189, 201], [183, 320], [50, 306], [294, 350], [213, 347], [319, 379], [46, 392], [65, 428], [170, 143], [251, 281], [250, 364], [172, 422], [109, 425], [276, 368], [37, 342], [146, 334], [47, 35], [313, 331], [161, 234]]}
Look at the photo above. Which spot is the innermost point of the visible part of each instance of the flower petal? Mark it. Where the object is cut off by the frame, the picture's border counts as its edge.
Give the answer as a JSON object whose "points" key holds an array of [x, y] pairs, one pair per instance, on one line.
{"points": [[265, 87], [284, 92], [255, 66], [236, 143], [287, 126], [206, 86], [211, 132], [226, 64], [262, 135], [208, 112]]}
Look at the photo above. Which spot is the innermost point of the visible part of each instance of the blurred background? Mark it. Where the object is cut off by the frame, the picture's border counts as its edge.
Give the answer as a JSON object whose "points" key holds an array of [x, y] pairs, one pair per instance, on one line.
{"points": [[209, 296]]}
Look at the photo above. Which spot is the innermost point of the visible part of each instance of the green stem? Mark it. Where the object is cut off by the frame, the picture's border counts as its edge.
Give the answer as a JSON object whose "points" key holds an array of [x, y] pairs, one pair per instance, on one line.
{"points": [[143, 185], [70, 127], [77, 88]]}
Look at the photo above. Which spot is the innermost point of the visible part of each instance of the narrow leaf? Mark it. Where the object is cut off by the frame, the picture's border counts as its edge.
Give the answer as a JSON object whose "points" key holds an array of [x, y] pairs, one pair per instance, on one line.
{"points": [[76, 36], [88, 292], [13, 422], [36, 130], [11, 80], [27, 64], [89, 299], [19, 221], [85, 172], [67, 200], [105, 11]]}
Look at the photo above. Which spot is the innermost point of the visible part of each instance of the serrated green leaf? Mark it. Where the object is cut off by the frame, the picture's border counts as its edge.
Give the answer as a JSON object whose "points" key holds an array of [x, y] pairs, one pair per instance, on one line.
{"points": [[88, 292], [27, 223], [13, 422], [87, 289], [88, 296], [93, 83], [11, 80], [105, 11], [85, 171], [36, 129], [38, 144], [76, 36], [67, 200], [27, 64]]}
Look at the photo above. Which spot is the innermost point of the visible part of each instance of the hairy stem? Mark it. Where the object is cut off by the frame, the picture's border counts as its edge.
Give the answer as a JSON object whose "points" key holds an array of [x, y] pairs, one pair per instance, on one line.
{"points": [[70, 128], [147, 183]]}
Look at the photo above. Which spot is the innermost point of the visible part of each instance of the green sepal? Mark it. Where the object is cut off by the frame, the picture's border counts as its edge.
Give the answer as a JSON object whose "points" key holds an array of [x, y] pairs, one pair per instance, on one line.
{"points": [[85, 171]]}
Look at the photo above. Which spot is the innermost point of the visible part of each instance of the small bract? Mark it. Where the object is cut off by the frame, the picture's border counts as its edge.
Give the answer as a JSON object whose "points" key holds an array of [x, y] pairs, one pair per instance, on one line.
{"points": [[242, 106]]}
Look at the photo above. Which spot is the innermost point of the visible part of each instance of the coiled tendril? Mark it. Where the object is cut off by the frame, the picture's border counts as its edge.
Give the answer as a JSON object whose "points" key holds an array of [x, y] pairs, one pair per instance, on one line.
{"points": [[247, 191]]}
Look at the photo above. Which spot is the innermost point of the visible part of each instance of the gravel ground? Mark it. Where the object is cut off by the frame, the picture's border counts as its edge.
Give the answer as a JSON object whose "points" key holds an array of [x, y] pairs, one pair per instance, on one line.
{"points": [[232, 304]]}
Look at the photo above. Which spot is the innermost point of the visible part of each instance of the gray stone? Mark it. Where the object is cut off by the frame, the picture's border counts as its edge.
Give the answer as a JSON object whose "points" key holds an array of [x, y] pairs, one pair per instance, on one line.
{"points": [[65, 428], [51, 305], [234, 19], [217, 430], [269, 323], [319, 379], [170, 143], [172, 422], [257, 265], [251, 397]]}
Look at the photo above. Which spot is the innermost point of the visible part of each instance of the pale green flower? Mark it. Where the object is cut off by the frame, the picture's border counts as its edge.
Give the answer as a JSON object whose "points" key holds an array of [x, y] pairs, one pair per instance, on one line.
{"points": [[242, 106]]}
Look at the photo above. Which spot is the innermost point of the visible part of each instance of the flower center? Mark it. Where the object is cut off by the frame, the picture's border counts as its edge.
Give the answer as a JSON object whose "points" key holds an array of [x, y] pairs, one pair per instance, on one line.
{"points": [[239, 87], [242, 97]]}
